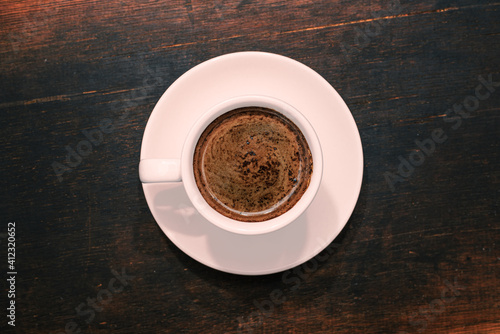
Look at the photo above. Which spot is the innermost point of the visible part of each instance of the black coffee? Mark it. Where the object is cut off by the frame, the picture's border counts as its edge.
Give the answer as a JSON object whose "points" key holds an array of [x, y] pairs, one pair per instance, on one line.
{"points": [[252, 164]]}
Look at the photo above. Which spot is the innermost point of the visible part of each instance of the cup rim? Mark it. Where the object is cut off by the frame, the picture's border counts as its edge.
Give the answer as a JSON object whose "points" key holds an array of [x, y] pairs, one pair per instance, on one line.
{"points": [[236, 226]]}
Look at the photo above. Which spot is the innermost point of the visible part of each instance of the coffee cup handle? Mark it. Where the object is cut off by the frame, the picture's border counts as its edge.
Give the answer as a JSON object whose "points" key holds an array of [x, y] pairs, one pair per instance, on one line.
{"points": [[160, 170]]}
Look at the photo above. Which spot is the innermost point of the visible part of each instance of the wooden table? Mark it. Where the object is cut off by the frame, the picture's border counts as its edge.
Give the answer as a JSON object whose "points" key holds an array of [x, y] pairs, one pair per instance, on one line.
{"points": [[420, 253]]}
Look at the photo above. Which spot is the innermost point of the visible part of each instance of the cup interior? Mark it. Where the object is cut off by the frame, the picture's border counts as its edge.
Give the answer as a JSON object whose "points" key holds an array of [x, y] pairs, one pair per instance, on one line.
{"points": [[236, 226]]}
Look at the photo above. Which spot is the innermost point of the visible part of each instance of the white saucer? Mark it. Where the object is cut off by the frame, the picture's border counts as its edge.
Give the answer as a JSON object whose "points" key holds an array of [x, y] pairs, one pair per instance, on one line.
{"points": [[258, 73]]}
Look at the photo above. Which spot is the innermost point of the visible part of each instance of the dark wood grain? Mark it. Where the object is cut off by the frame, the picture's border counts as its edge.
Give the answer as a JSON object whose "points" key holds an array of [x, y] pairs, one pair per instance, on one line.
{"points": [[420, 253]]}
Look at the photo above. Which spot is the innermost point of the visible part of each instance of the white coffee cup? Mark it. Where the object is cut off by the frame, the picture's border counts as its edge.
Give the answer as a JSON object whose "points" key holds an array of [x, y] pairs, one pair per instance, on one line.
{"points": [[181, 169]]}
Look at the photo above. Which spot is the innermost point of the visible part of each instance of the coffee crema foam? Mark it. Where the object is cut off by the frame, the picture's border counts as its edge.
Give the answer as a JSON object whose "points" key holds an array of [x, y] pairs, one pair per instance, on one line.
{"points": [[252, 164]]}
